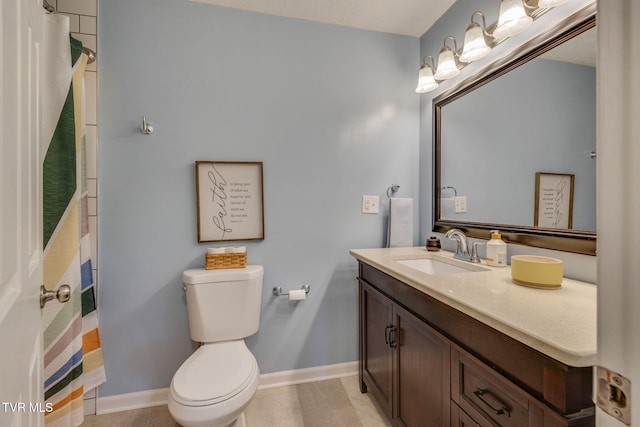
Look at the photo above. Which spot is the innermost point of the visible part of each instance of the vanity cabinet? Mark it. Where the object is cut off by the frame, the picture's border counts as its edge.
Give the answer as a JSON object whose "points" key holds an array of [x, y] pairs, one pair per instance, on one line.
{"points": [[428, 364], [405, 363]]}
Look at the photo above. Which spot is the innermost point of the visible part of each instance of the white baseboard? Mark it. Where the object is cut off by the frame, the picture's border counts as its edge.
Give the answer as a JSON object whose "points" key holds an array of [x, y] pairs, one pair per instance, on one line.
{"points": [[128, 401], [148, 398], [307, 375]]}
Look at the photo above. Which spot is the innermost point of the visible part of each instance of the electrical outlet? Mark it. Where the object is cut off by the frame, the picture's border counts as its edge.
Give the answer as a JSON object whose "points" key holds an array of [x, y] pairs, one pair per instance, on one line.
{"points": [[461, 204], [370, 204]]}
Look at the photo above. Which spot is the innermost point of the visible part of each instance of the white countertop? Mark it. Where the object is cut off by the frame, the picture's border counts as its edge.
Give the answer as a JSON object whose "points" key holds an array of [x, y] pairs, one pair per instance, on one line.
{"points": [[560, 323]]}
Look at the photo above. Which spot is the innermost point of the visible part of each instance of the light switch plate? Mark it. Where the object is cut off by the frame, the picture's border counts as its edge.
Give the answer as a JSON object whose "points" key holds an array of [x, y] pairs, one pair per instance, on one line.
{"points": [[370, 204], [461, 204]]}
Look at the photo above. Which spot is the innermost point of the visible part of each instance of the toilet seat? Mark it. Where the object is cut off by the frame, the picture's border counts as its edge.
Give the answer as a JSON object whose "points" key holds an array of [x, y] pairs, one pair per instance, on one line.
{"points": [[214, 373]]}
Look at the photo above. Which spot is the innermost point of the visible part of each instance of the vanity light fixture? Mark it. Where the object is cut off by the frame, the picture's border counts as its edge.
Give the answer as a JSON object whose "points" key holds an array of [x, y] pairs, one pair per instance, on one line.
{"points": [[550, 3], [475, 46], [513, 19], [426, 82], [447, 67]]}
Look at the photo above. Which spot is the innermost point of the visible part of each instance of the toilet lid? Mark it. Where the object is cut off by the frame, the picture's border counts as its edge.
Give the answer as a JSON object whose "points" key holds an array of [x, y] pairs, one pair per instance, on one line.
{"points": [[215, 372]]}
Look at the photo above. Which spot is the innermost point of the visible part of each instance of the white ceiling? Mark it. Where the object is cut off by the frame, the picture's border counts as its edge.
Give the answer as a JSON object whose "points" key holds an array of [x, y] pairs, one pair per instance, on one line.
{"points": [[404, 17]]}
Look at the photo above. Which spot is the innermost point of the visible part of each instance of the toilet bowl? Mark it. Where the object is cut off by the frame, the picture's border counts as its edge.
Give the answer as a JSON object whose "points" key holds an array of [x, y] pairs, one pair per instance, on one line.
{"points": [[214, 386], [216, 383]]}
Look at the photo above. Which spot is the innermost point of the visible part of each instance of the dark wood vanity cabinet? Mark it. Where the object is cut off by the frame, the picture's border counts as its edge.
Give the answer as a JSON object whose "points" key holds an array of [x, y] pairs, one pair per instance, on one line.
{"points": [[403, 362], [427, 364]]}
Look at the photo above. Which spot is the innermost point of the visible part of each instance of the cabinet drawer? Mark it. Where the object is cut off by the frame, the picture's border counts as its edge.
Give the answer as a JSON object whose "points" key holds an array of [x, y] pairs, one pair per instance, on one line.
{"points": [[459, 418], [484, 394]]}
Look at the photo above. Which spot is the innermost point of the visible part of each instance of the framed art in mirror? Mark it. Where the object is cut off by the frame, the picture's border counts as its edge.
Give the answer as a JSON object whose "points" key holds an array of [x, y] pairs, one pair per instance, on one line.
{"points": [[554, 200]]}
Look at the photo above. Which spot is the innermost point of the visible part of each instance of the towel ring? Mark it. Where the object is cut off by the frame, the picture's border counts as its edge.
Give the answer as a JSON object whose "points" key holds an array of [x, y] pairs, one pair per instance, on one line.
{"points": [[455, 192], [393, 189]]}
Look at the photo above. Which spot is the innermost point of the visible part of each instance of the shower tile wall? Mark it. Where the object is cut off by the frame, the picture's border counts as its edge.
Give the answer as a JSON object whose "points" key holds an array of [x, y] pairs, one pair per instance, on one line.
{"points": [[83, 25]]}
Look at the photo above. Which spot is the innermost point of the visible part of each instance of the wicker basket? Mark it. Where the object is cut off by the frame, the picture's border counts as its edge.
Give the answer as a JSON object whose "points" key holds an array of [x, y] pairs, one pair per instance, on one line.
{"points": [[230, 260]]}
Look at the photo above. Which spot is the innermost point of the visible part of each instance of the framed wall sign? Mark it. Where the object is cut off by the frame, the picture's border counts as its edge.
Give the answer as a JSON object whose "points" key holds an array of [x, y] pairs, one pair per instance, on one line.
{"points": [[554, 200], [230, 204]]}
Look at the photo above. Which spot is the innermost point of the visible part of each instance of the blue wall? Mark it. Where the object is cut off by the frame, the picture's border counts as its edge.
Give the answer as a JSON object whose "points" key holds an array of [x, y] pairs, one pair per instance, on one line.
{"points": [[329, 110]]}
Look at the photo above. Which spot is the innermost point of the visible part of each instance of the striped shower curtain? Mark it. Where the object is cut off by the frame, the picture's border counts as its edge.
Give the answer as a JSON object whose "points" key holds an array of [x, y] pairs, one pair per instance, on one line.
{"points": [[72, 353]]}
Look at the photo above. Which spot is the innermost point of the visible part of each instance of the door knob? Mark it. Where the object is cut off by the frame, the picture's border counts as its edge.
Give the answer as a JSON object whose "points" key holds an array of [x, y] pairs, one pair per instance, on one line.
{"points": [[63, 294]]}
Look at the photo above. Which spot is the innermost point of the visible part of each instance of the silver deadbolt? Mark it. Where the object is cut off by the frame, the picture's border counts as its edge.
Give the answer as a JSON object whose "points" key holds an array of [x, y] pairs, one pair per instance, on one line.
{"points": [[63, 294]]}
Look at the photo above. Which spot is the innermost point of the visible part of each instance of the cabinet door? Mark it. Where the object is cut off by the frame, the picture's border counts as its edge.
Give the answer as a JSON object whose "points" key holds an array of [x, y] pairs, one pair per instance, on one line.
{"points": [[377, 354], [422, 373]]}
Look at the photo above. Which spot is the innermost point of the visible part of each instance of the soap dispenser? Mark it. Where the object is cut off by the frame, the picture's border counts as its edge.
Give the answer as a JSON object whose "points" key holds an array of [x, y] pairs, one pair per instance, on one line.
{"points": [[496, 250]]}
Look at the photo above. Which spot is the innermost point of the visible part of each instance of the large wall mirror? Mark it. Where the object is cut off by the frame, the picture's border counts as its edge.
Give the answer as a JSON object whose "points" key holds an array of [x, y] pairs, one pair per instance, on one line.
{"points": [[515, 150]]}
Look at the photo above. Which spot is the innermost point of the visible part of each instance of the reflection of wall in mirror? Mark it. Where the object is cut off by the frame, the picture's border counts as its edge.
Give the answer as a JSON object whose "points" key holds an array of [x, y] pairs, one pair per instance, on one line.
{"points": [[538, 117]]}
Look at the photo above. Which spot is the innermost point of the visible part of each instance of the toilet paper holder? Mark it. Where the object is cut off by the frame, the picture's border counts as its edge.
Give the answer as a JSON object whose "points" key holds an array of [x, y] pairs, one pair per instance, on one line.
{"points": [[277, 290]]}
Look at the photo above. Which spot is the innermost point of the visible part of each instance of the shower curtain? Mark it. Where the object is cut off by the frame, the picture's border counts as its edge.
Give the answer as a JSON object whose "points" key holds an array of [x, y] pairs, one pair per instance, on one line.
{"points": [[73, 360]]}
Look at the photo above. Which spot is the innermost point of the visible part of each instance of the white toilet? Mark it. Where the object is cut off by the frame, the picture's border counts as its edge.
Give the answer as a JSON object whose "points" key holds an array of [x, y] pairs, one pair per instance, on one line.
{"points": [[216, 383]]}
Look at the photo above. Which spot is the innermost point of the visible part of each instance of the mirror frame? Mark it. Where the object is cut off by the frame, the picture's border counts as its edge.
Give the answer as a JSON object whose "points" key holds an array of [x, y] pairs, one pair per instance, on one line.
{"points": [[582, 242]]}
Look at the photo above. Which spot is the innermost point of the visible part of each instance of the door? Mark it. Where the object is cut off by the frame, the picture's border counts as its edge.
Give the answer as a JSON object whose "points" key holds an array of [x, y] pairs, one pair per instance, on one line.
{"points": [[377, 346], [618, 175], [21, 395], [422, 373]]}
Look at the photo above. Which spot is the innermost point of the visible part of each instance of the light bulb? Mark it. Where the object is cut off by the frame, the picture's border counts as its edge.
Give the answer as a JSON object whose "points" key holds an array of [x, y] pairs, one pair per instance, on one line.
{"points": [[426, 82], [447, 67], [512, 20], [475, 46]]}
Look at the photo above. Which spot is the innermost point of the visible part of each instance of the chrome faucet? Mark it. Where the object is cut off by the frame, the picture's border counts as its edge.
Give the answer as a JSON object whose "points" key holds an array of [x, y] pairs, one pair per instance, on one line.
{"points": [[462, 246]]}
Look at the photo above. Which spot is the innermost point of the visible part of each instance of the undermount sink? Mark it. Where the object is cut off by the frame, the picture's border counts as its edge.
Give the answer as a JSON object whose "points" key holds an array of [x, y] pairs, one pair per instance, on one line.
{"points": [[437, 267]]}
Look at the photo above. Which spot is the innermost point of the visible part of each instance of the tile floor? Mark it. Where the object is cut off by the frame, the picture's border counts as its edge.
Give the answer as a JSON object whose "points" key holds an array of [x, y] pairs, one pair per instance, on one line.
{"points": [[330, 403]]}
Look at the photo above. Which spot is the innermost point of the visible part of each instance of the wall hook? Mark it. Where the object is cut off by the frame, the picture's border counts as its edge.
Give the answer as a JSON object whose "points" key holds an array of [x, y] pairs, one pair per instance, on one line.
{"points": [[145, 127]]}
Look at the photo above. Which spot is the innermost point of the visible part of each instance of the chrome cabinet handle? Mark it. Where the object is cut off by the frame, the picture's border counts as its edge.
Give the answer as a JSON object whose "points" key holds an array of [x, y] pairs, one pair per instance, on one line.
{"points": [[63, 294], [503, 410]]}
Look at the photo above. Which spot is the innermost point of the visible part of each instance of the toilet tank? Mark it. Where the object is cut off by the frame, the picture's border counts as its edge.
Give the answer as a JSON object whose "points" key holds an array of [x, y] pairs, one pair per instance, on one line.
{"points": [[223, 304]]}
